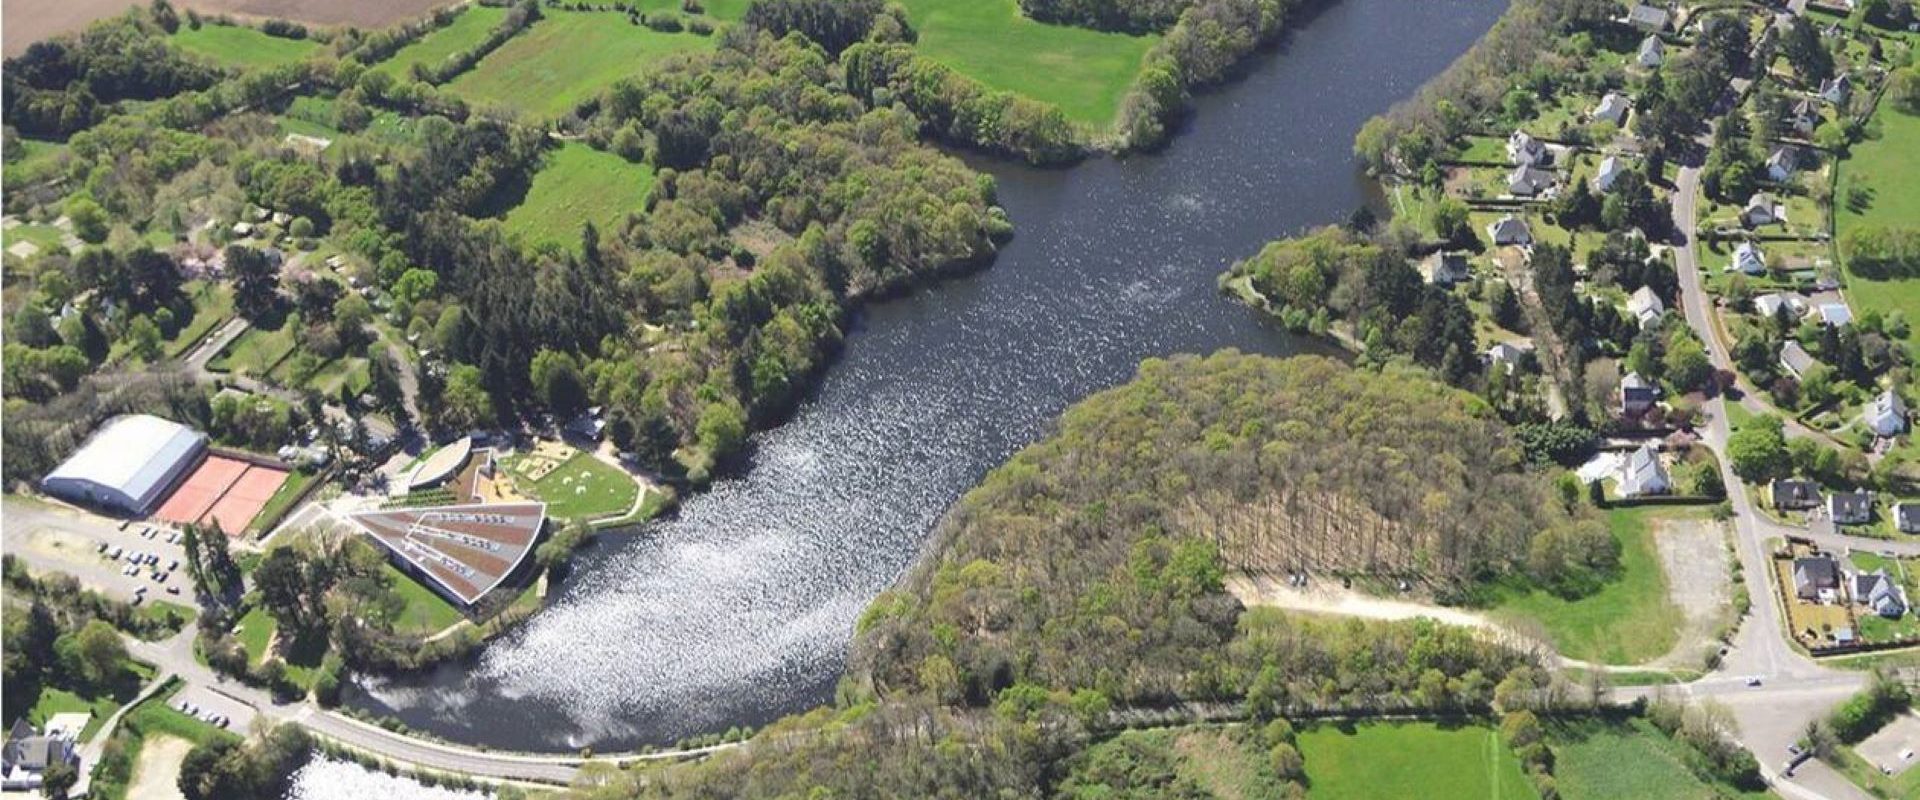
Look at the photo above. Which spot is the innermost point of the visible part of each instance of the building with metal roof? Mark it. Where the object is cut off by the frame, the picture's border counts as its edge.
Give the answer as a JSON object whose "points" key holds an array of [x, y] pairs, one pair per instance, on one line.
{"points": [[128, 465], [461, 551]]}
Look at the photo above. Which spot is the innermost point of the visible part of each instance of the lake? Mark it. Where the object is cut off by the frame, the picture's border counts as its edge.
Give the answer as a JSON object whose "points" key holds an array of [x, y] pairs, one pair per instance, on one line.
{"points": [[739, 610]]}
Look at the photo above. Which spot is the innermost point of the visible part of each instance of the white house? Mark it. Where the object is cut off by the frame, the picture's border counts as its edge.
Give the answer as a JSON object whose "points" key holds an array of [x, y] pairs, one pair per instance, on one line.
{"points": [[1645, 306], [1611, 168], [1641, 473], [1506, 354], [1769, 305], [1652, 52], [1748, 259], [1613, 108], [1445, 269], [1510, 230], [1523, 149], [1887, 414]]}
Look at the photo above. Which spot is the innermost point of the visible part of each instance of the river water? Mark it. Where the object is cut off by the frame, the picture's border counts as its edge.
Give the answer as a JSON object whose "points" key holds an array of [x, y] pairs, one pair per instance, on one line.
{"points": [[740, 609]]}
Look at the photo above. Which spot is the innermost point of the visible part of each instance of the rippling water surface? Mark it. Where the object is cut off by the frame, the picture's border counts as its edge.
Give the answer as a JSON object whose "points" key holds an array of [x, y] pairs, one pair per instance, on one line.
{"points": [[740, 609]]}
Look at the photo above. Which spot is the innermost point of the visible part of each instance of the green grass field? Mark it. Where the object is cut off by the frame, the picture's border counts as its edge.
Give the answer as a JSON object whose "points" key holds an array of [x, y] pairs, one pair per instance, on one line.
{"points": [[256, 352], [583, 487], [1628, 621], [1887, 171], [426, 613], [1416, 759], [566, 58], [256, 632], [61, 701], [238, 47], [1596, 760], [466, 31], [578, 184]]}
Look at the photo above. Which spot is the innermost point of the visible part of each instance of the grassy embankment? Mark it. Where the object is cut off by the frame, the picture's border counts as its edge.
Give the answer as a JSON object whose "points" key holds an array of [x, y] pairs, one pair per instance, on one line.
{"points": [[466, 31]]}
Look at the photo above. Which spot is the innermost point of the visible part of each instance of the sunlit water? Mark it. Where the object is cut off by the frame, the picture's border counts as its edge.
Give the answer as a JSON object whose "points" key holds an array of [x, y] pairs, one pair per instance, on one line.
{"points": [[325, 778], [740, 609]]}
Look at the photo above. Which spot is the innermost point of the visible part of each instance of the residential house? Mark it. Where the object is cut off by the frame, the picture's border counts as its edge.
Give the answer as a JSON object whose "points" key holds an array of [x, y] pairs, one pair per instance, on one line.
{"points": [[1879, 592], [1645, 306], [1642, 474], [1906, 517], [1611, 168], [1653, 52], [1636, 394], [1527, 181], [1613, 108], [1762, 209], [28, 753], [1796, 360], [1446, 269], [1794, 495], [1524, 150], [1749, 259], [1782, 163], [1805, 117], [1651, 19], [1850, 508], [1510, 230], [1836, 89], [1815, 577], [1506, 354], [1769, 305], [1887, 414], [1835, 314]]}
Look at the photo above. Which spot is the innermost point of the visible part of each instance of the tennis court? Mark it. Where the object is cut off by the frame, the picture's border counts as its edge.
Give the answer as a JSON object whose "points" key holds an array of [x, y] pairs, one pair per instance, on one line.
{"points": [[222, 490]]}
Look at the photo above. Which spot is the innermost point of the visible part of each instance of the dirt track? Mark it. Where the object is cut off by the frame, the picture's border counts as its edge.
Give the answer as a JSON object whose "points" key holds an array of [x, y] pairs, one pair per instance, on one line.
{"points": [[28, 21]]}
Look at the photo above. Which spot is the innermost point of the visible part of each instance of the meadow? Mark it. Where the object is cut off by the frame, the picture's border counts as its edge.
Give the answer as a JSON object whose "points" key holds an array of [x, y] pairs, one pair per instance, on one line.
{"points": [[466, 30], [566, 58], [1629, 621], [237, 47], [1886, 173], [582, 487], [578, 184], [1596, 759], [1414, 759]]}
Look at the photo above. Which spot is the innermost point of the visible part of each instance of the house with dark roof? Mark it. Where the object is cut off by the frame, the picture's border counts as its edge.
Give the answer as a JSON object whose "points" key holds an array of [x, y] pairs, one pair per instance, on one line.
{"points": [[1524, 150], [1510, 230], [1649, 18], [1804, 118], [1879, 592], [1652, 53], [1527, 180], [1636, 394], [1815, 577], [1793, 495], [1836, 89], [1906, 517], [28, 753], [1850, 508], [1446, 269]]}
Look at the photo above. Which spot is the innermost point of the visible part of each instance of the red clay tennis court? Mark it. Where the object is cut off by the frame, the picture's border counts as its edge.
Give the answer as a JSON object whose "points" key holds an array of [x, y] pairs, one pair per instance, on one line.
{"points": [[223, 490]]}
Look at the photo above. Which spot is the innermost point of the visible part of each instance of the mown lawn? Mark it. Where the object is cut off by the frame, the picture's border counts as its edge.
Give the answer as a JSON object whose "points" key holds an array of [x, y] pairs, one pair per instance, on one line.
{"points": [[1595, 760], [1885, 172], [583, 487], [61, 701], [576, 185], [426, 613], [466, 31], [240, 47], [256, 632], [568, 57], [256, 352], [1414, 760], [1629, 621]]}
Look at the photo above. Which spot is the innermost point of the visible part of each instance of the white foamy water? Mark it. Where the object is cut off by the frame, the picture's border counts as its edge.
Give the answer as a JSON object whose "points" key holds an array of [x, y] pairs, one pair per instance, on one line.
{"points": [[325, 778]]}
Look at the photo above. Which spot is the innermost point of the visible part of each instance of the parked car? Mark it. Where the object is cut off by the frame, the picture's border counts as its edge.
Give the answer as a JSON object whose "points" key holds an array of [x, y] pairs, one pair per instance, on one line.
{"points": [[173, 590]]}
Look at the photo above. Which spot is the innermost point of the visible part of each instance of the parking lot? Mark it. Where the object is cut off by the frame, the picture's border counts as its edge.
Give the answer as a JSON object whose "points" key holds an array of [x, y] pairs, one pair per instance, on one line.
{"points": [[124, 560], [210, 706], [1892, 749]]}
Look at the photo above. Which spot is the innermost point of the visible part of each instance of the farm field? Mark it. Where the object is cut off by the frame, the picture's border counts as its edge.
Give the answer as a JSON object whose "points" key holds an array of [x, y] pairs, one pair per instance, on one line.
{"points": [[1597, 759], [1415, 759], [1085, 72], [578, 184], [240, 47], [1884, 171], [565, 58], [464, 32], [1629, 621]]}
